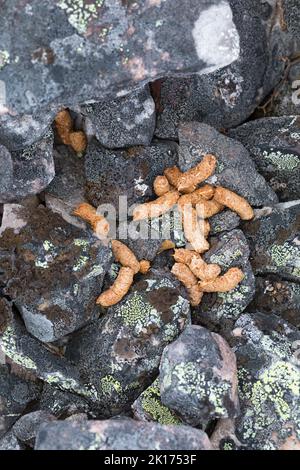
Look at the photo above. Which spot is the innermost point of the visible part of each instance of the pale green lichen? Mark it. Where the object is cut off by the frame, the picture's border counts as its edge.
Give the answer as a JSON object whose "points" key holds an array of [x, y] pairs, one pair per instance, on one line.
{"points": [[226, 258], [81, 242], [152, 405], [285, 254], [80, 263], [41, 264], [96, 271], [136, 311], [81, 12], [70, 384], [109, 385], [48, 245], [4, 58], [282, 161], [9, 346]]}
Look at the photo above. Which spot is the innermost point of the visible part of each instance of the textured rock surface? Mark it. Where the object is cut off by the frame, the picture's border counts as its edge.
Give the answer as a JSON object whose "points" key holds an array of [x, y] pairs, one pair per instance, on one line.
{"points": [[198, 377], [26, 428], [274, 145], [219, 311], [235, 168], [28, 171], [62, 403], [119, 435], [274, 243], [123, 122], [56, 274], [10, 442], [224, 222], [120, 353]]}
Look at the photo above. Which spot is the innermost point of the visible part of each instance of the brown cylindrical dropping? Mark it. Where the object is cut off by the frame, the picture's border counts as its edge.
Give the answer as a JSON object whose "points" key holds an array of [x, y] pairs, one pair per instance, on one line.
{"points": [[89, 214], [234, 202], [118, 290], [144, 266], [157, 207], [224, 283], [78, 141], [125, 256], [161, 185], [198, 174]]}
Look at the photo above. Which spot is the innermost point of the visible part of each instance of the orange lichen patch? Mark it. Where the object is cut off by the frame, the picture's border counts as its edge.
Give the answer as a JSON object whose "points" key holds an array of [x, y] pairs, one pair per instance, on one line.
{"points": [[64, 124], [224, 283], [194, 231], [144, 266], [161, 185], [198, 174], [78, 141], [173, 175], [206, 209], [118, 290], [234, 202], [185, 275], [125, 256], [157, 207], [89, 214], [197, 265]]}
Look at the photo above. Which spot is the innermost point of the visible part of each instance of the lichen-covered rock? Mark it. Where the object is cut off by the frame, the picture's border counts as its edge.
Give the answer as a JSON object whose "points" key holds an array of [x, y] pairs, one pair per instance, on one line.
{"points": [[273, 143], [10, 442], [5, 313], [223, 222], [123, 122], [27, 171], [235, 168], [55, 275], [114, 173], [121, 434], [219, 311], [198, 377], [15, 395], [273, 295], [120, 353], [26, 428], [62, 403], [148, 407], [274, 242], [267, 351], [86, 50]]}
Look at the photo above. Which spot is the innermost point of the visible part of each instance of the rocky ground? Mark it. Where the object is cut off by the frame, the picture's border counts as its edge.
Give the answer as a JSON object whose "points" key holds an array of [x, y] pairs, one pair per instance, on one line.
{"points": [[152, 84]]}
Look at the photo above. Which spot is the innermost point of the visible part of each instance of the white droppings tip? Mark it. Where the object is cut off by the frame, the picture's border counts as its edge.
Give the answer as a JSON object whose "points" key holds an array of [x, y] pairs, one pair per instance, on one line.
{"points": [[216, 38]]}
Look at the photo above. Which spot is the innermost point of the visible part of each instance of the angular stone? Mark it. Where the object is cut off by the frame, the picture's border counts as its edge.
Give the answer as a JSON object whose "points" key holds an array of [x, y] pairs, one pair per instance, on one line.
{"points": [[123, 122], [198, 377], [62, 403], [121, 434], [54, 299], [26, 428], [223, 222], [235, 168], [273, 143], [274, 242]]}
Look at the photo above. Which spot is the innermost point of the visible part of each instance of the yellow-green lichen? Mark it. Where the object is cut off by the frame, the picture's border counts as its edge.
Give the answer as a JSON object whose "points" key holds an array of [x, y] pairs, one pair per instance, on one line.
{"points": [[109, 385], [136, 311], [152, 405], [282, 161], [281, 255], [9, 347], [80, 263], [81, 12]]}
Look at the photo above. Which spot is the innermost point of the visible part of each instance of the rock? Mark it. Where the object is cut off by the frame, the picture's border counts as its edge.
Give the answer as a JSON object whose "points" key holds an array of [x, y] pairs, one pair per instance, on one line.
{"points": [[15, 395], [27, 171], [124, 45], [5, 314], [26, 428], [114, 173], [273, 144], [273, 295], [62, 403], [15, 216], [10, 442], [274, 243], [198, 377], [21, 131], [267, 351], [120, 353], [121, 434], [219, 311], [54, 299], [235, 168], [148, 407], [123, 122], [224, 222]]}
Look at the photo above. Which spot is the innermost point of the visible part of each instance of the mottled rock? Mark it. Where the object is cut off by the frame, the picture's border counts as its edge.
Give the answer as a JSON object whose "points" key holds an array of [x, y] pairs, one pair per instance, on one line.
{"points": [[15, 395], [274, 145], [235, 168], [273, 295], [120, 353], [83, 51], [123, 122], [198, 377], [10, 442], [26, 428], [224, 222], [114, 173], [148, 407], [62, 403], [5, 313], [27, 171], [267, 351], [121, 434], [56, 274], [218, 311], [274, 243]]}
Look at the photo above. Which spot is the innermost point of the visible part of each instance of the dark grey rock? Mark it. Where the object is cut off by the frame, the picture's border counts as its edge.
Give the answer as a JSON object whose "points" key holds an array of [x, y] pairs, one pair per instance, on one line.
{"points": [[27, 171], [26, 428], [274, 243], [123, 122], [267, 351], [62, 403], [10, 442], [121, 434], [273, 295], [198, 377], [219, 311], [224, 222], [15, 395], [114, 173], [56, 275], [274, 145], [120, 353], [235, 168]]}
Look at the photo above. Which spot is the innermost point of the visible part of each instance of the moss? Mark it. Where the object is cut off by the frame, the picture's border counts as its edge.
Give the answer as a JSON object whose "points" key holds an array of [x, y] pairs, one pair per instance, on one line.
{"points": [[152, 405], [81, 12], [282, 161], [109, 385]]}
